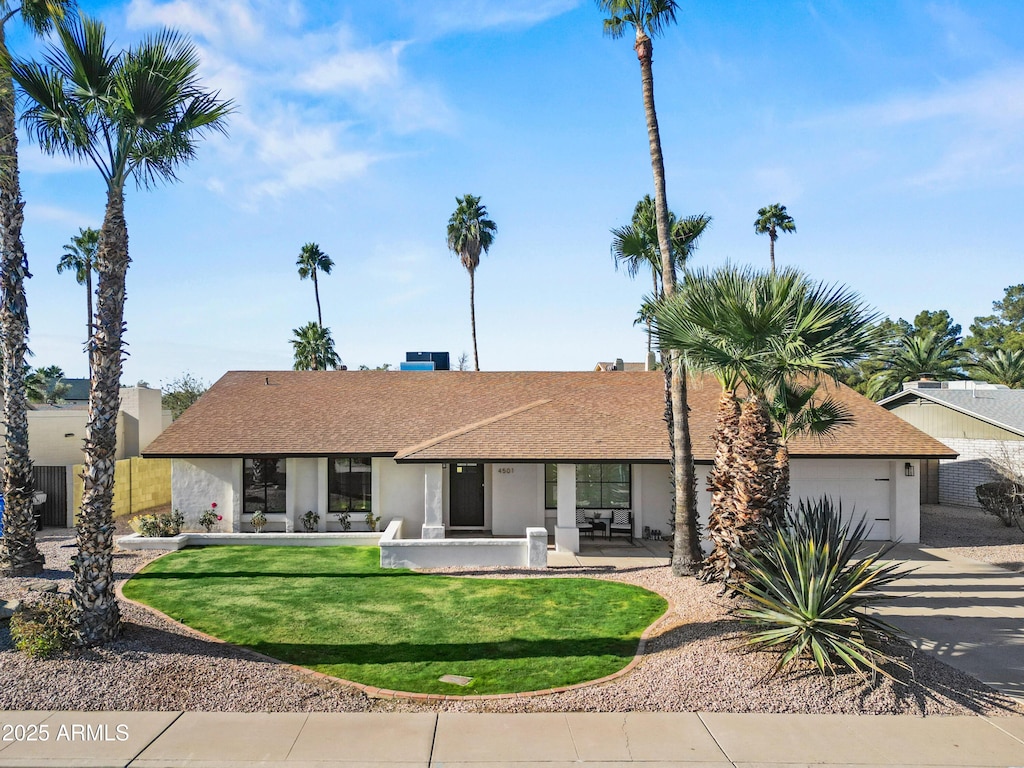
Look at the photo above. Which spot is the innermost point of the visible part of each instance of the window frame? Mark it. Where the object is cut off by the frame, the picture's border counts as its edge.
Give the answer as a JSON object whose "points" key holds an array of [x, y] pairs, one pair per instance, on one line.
{"points": [[266, 504], [331, 474], [554, 484]]}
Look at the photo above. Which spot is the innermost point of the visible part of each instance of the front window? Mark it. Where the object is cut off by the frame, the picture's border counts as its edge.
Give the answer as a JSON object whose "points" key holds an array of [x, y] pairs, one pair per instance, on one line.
{"points": [[349, 485], [598, 486], [263, 485]]}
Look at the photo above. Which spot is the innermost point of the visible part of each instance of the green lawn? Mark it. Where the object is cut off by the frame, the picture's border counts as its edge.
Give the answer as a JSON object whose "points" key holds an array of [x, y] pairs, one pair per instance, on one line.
{"points": [[334, 610]]}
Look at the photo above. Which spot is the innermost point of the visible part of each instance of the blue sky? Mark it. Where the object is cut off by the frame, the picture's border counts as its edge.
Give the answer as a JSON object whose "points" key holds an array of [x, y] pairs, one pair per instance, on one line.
{"points": [[893, 131]]}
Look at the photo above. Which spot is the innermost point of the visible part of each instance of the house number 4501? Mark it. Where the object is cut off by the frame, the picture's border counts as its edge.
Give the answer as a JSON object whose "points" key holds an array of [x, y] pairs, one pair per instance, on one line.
{"points": [[506, 470]]}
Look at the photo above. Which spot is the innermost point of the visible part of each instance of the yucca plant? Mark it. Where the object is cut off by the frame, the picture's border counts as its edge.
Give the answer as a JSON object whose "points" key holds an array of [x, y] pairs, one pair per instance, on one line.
{"points": [[811, 590]]}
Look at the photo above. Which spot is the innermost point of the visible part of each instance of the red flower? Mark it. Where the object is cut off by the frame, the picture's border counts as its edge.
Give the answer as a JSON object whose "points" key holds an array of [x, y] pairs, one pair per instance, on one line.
{"points": [[214, 505], [219, 517]]}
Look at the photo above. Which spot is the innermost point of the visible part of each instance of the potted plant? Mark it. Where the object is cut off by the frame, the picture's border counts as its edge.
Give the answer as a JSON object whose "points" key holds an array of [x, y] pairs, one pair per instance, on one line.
{"points": [[310, 521], [259, 520], [371, 521], [343, 520]]}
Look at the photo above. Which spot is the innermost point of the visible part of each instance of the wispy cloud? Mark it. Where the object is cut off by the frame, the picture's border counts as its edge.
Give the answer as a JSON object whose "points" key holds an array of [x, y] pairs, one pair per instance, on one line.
{"points": [[470, 15], [316, 107]]}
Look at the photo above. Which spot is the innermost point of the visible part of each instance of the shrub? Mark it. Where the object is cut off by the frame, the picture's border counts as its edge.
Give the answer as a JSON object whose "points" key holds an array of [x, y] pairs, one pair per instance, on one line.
{"points": [[1004, 499], [259, 520], [163, 525], [310, 521], [343, 520], [371, 521], [210, 518], [45, 628], [810, 593]]}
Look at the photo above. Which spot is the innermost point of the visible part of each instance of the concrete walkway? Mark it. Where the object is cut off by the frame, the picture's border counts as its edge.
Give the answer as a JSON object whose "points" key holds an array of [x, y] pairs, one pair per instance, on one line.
{"points": [[968, 614], [425, 740]]}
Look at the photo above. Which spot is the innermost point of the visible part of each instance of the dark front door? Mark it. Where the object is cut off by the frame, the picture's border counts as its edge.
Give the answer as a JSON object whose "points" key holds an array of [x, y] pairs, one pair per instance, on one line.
{"points": [[467, 496]]}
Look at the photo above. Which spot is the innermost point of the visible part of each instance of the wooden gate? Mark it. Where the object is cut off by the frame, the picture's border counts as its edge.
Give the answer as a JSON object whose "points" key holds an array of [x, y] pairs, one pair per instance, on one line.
{"points": [[53, 482]]}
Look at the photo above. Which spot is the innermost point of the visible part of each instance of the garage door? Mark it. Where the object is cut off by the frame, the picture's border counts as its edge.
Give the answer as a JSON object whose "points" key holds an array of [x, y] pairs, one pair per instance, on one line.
{"points": [[863, 487]]}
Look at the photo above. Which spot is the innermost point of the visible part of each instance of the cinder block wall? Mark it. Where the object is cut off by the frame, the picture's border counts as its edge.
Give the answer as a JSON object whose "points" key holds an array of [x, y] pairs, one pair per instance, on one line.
{"points": [[139, 484], [958, 478]]}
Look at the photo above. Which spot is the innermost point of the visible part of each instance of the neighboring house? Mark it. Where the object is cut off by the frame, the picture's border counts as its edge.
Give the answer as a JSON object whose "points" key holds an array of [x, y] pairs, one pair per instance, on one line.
{"points": [[451, 452], [982, 422], [56, 438]]}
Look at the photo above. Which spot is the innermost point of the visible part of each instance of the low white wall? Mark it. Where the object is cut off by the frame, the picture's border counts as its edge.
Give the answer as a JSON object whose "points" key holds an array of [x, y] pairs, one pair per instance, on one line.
{"points": [[196, 483], [173, 543], [396, 552]]}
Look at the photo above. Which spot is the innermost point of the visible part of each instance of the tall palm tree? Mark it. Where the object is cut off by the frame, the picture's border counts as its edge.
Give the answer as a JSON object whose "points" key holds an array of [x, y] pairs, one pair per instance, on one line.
{"points": [[314, 348], [136, 115], [757, 333], [1002, 367], [771, 220], [635, 246], [915, 357], [80, 257], [19, 555], [648, 19], [471, 233], [312, 260]]}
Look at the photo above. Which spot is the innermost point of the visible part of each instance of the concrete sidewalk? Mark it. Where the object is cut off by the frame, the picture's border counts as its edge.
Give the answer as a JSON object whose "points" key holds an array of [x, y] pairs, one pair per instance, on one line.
{"points": [[426, 740], [966, 613]]}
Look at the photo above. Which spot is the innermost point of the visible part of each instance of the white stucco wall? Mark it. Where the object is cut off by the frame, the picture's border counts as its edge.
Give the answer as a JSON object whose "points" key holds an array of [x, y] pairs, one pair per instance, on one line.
{"points": [[515, 502], [195, 483], [655, 496], [56, 437], [303, 490], [398, 492]]}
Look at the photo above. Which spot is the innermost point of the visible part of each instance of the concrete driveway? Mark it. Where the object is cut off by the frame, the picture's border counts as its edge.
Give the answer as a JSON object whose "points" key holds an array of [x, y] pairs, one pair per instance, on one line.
{"points": [[968, 614]]}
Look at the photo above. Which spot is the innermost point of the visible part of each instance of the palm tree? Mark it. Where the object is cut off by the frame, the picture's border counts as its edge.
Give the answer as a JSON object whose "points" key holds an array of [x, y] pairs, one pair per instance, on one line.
{"points": [[1002, 367], [635, 246], [470, 232], [314, 348], [771, 220], [19, 555], [648, 19], [45, 385], [756, 333], [135, 115], [312, 260], [918, 357], [80, 257]]}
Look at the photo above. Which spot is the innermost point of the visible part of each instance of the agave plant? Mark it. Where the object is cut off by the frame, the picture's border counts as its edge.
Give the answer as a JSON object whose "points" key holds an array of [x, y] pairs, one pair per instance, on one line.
{"points": [[811, 593]]}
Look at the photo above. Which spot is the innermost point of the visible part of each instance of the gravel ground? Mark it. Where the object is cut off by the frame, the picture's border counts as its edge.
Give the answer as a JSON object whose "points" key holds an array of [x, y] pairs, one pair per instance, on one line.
{"points": [[691, 664], [972, 533]]}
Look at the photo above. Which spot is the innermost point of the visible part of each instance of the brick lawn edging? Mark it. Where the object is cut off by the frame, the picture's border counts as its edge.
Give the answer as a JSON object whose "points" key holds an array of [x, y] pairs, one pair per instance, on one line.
{"points": [[373, 692]]}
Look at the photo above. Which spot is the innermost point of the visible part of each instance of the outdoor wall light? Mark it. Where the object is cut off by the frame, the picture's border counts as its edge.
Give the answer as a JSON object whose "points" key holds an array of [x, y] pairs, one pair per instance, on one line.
{"points": [[908, 469], [69, 434]]}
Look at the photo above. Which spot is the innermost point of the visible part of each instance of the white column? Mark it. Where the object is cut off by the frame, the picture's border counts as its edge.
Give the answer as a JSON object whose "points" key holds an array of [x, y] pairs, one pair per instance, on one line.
{"points": [[322, 468], [905, 501], [433, 508], [291, 483], [567, 535]]}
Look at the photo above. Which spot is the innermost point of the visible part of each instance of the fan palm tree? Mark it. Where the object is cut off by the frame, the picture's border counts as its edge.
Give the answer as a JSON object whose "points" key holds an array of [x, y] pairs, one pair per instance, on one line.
{"points": [[635, 246], [1002, 367], [648, 19], [19, 555], [80, 257], [45, 385], [314, 348], [918, 357], [771, 220], [312, 260], [136, 115], [756, 333], [471, 233]]}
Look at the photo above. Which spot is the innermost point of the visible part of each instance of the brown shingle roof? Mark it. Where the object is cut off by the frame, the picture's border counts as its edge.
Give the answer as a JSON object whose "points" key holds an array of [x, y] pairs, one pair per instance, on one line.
{"points": [[491, 416]]}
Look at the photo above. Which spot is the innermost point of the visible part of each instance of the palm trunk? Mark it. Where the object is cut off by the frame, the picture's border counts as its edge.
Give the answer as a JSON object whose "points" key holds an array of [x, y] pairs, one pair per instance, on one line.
{"points": [[771, 250], [472, 315], [721, 484], [18, 553], [88, 308], [316, 292], [781, 493], [93, 590], [686, 546]]}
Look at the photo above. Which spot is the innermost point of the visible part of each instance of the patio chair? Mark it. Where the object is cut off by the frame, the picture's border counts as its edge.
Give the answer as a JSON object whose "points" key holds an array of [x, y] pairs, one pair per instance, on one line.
{"points": [[584, 523], [621, 522]]}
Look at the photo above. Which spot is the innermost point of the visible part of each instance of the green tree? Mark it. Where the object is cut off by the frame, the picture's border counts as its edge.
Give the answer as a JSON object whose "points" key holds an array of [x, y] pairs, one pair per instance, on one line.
{"points": [[1002, 367], [939, 323], [46, 385], [917, 357], [890, 334], [758, 333], [648, 19], [80, 257], [635, 246], [771, 220], [180, 393], [19, 555], [314, 348], [312, 260], [1004, 329], [135, 115], [471, 233]]}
